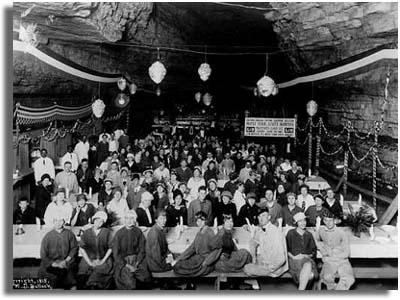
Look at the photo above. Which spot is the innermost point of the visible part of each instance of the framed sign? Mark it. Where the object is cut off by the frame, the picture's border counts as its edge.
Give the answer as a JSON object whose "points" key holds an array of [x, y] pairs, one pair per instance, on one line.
{"points": [[270, 127]]}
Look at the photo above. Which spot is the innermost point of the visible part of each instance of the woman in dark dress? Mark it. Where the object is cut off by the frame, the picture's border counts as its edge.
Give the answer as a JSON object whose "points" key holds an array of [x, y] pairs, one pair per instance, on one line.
{"points": [[211, 172], [226, 207], [199, 258], [96, 266], [176, 211], [43, 197], [231, 259]]}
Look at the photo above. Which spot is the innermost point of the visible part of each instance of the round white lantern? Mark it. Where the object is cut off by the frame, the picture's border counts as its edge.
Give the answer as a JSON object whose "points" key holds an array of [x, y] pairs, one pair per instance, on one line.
{"points": [[122, 83], [204, 71], [312, 108], [132, 88], [266, 86], [157, 72], [207, 98], [197, 97], [98, 108]]}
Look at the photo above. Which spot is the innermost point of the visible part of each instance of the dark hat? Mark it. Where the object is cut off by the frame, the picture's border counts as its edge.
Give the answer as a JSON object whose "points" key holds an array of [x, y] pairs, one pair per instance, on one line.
{"points": [[227, 194], [161, 184], [319, 196], [44, 176], [262, 210], [60, 190], [148, 170], [81, 196], [251, 195], [109, 180], [135, 176]]}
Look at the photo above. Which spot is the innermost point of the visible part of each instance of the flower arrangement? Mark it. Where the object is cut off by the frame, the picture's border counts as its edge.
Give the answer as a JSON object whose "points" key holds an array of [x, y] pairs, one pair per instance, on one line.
{"points": [[359, 220]]}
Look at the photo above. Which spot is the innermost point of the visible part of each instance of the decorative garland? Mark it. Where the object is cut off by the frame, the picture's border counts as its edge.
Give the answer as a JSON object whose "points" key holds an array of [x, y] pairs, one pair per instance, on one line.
{"points": [[29, 115]]}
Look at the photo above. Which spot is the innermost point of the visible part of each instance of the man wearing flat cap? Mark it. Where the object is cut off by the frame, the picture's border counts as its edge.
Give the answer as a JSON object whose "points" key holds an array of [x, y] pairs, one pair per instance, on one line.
{"points": [[232, 184], [135, 193], [96, 266], [302, 252], [271, 257]]}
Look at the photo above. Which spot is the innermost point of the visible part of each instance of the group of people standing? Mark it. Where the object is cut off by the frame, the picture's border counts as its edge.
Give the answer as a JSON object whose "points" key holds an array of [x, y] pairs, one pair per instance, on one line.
{"points": [[167, 181]]}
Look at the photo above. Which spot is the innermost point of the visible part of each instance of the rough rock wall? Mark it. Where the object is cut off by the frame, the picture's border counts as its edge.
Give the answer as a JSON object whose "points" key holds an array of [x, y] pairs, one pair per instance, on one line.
{"points": [[319, 34]]}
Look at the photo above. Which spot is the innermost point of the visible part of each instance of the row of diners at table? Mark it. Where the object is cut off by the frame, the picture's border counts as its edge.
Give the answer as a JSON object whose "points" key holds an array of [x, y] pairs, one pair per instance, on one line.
{"points": [[236, 180]]}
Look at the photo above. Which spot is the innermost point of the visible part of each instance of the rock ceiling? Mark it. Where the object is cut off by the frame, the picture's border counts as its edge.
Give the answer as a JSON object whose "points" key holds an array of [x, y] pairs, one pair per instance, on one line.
{"points": [[310, 35]]}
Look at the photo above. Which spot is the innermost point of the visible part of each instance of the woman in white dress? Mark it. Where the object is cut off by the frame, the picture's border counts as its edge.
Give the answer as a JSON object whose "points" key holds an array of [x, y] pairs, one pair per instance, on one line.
{"points": [[194, 183]]}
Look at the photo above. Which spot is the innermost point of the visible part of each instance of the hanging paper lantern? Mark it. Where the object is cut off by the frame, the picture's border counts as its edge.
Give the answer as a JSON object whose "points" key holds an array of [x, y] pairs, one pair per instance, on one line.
{"points": [[122, 83], [207, 98], [158, 91], [312, 108], [98, 108], [204, 71], [121, 100], [197, 97], [132, 88], [266, 86], [157, 72]]}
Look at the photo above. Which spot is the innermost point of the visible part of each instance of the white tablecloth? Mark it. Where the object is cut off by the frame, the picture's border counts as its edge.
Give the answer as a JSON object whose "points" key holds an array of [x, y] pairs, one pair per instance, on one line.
{"points": [[317, 183]]}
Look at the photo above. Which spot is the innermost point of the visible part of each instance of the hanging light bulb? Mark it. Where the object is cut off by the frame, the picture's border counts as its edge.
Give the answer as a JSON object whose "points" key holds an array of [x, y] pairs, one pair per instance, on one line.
{"points": [[204, 71], [207, 98], [121, 84], [121, 100], [312, 108], [98, 108], [266, 85], [157, 71], [197, 97], [132, 88], [158, 91]]}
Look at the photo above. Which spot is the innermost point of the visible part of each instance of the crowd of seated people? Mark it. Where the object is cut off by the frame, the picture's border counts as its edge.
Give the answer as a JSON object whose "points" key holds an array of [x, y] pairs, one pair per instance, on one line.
{"points": [[167, 181]]}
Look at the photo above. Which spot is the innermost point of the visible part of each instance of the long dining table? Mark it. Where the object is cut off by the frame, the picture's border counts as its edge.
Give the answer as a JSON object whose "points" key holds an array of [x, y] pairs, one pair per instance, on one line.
{"points": [[384, 245]]}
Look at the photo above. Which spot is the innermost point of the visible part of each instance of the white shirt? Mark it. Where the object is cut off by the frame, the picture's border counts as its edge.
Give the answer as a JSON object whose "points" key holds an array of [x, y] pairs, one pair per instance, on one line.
{"points": [[72, 158], [193, 186], [82, 150], [118, 208], [239, 200], [160, 175], [42, 166], [285, 167], [147, 213], [113, 145], [308, 200], [65, 210]]}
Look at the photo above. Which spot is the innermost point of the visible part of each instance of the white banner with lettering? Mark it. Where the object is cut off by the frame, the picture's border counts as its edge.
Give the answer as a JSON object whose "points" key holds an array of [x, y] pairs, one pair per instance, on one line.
{"points": [[270, 127]]}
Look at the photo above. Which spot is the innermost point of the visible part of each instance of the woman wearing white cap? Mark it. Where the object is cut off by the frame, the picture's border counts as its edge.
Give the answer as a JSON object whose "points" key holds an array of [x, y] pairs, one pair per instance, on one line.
{"points": [[302, 251], [95, 269]]}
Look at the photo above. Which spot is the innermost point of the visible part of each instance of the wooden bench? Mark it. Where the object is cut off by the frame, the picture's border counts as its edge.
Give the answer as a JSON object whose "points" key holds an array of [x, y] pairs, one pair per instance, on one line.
{"points": [[386, 272]]}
